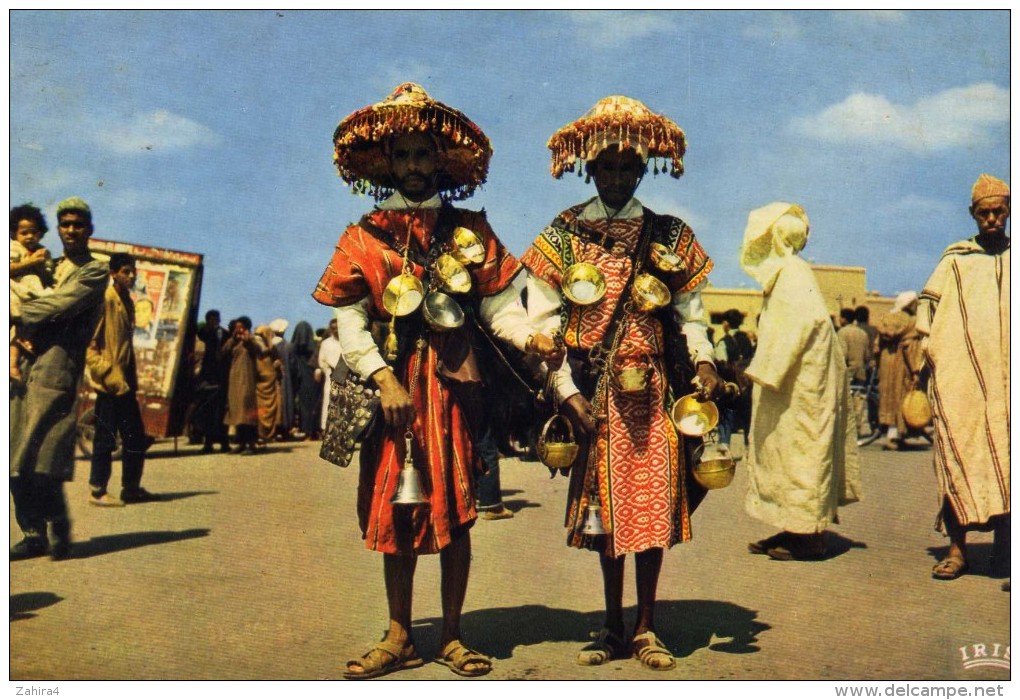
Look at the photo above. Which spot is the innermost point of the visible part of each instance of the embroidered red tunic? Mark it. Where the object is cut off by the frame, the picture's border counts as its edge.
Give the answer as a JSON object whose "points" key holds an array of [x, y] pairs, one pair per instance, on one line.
{"points": [[442, 452]]}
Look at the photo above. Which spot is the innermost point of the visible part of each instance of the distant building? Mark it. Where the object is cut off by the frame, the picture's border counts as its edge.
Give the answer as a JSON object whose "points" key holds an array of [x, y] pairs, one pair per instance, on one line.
{"points": [[841, 287]]}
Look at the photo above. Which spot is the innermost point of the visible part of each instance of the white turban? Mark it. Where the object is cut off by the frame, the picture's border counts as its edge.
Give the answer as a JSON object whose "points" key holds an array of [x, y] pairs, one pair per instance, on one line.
{"points": [[903, 300], [279, 325]]}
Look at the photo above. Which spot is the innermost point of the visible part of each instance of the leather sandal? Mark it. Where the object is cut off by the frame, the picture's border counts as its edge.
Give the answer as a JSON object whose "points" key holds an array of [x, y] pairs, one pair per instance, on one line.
{"points": [[951, 567], [458, 657], [385, 657], [605, 646], [654, 654]]}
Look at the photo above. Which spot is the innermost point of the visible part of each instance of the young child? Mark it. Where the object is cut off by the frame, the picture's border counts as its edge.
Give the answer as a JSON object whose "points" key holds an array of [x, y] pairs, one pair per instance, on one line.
{"points": [[31, 274]]}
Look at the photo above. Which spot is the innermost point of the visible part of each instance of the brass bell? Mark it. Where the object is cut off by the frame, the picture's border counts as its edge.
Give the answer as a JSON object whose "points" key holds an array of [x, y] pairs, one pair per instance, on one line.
{"points": [[593, 521], [409, 487], [583, 283]]}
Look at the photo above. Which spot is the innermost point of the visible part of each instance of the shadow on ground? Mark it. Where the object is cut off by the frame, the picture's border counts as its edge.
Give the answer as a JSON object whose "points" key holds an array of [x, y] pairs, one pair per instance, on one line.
{"points": [[22, 604], [683, 625], [108, 544]]}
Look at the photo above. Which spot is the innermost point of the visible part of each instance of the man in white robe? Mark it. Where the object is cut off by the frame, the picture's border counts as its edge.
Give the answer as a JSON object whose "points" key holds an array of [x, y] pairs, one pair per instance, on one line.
{"points": [[803, 455], [963, 320]]}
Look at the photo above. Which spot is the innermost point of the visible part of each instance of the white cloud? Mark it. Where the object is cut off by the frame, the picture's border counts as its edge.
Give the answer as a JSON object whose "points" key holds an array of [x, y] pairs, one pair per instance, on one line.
{"points": [[774, 27], [597, 29], [949, 119], [153, 131]]}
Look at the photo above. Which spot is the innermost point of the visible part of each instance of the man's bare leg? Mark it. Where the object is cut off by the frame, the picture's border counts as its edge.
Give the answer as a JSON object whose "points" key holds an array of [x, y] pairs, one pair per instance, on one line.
{"points": [[455, 563], [648, 564], [612, 582], [398, 572]]}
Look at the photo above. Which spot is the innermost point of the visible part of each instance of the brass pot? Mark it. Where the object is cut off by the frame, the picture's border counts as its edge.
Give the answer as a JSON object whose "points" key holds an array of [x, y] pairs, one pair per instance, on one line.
{"points": [[665, 259], [442, 312], [694, 417], [584, 284], [649, 293], [452, 275], [557, 450], [715, 473], [468, 246], [403, 294]]}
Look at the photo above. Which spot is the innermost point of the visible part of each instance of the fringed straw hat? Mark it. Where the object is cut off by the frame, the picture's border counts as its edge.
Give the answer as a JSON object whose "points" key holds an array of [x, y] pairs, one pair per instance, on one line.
{"points": [[619, 120], [360, 140]]}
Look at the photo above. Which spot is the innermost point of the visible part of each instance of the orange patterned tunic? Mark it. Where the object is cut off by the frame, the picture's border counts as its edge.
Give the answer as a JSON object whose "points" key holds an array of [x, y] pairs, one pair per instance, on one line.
{"points": [[361, 266], [637, 468]]}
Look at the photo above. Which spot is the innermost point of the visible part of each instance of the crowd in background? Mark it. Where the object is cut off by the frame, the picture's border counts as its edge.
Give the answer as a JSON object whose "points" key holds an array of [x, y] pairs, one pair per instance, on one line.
{"points": [[253, 386]]}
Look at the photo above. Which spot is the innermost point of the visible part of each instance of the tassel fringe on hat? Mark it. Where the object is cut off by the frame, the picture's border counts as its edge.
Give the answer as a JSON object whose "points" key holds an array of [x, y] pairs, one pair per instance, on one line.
{"points": [[360, 139], [619, 120]]}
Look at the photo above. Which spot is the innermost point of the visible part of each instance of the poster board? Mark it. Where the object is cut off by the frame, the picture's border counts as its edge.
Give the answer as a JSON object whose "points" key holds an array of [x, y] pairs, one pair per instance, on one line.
{"points": [[166, 297]]}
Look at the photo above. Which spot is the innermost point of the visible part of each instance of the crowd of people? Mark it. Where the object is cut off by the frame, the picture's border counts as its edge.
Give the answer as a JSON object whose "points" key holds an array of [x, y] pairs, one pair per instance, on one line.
{"points": [[431, 311], [254, 387]]}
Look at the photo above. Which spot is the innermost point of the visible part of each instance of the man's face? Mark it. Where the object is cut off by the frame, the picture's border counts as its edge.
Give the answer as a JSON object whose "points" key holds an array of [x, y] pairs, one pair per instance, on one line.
{"points": [[991, 214], [617, 174], [28, 234], [74, 229], [414, 163], [124, 278], [213, 322], [333, 329]]}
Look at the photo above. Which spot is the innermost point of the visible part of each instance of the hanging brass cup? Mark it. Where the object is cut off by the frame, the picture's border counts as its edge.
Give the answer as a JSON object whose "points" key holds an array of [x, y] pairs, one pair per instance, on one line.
{"points": [[557, 450], [584, 284], [694, 417], [665, 259], [452, 275], [442, 312], [403, 294], [469, 249], [649, 293]]}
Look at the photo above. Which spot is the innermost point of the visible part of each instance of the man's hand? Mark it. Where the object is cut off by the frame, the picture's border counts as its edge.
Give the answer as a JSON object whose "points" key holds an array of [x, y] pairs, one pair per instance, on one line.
{"points": [[548, 349], [708, 382], [397, 408], [578, 410]]}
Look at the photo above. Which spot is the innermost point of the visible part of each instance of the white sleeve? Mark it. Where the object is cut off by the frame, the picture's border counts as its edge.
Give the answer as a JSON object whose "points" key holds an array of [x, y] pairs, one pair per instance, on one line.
{"points": [[357, 347], [544, 312], [693, 321], [505, 315]]}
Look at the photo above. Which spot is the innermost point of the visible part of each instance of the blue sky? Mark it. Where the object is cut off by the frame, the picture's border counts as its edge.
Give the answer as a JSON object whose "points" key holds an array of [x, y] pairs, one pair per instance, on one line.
{"points": [[211, 132]]}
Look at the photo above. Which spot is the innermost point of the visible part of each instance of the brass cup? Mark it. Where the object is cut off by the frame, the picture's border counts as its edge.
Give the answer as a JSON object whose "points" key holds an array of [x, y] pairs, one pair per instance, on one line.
{"points": [[452, 275], [649, 293], [694, 417], [469, 248], [584, 284], [665, 259], [557, 450], [442, 312], [632, 380], [403, 294], [715, 473]]}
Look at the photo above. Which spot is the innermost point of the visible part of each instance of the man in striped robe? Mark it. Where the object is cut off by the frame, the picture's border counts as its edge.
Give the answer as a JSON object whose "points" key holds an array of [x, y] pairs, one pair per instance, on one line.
{"points": [[963, 319]]}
